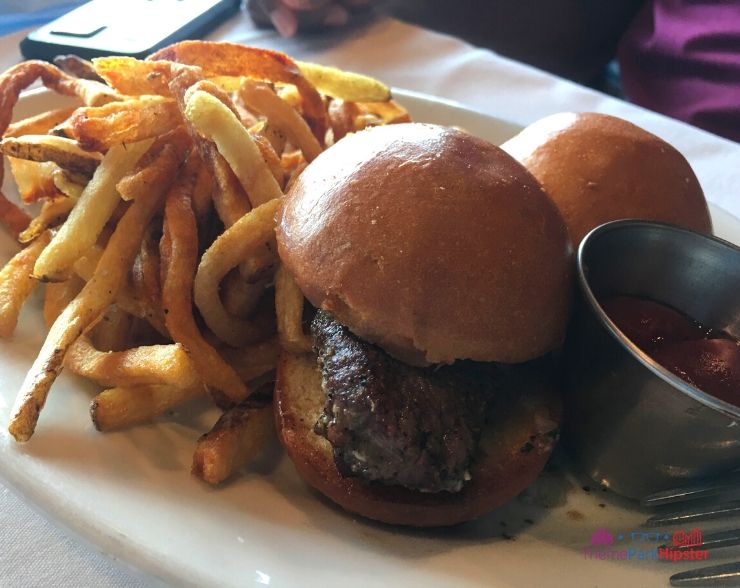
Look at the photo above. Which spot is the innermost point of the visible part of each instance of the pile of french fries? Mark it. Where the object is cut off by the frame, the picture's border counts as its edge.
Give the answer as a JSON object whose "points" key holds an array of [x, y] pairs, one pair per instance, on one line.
{"points": [[154, 233]]}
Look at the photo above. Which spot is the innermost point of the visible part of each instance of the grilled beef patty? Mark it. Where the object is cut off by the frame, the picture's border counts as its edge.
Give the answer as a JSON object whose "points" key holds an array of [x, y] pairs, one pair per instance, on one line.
{"points": [[396, 424]]}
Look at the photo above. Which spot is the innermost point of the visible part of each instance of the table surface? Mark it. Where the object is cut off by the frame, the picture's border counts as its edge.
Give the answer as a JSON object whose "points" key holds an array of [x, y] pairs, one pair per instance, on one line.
{"points": [[33, 551]]}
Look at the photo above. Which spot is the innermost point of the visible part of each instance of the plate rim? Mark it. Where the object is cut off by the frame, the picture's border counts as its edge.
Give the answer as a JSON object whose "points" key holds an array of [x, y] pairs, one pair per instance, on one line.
{"points": [[124, 552]]}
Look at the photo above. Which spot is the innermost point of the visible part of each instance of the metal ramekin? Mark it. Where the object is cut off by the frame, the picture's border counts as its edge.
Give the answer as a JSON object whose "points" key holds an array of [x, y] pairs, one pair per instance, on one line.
{"points": [[632, 425]]}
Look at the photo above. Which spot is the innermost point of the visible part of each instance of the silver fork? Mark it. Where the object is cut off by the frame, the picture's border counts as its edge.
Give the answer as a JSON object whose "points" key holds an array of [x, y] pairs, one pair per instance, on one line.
{"points": [[724, 575], [718, 498]]}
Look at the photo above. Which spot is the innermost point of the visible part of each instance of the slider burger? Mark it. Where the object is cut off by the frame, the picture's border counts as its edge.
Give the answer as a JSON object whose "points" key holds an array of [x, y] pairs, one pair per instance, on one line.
{"points": [[440, 273], [599, 168]]}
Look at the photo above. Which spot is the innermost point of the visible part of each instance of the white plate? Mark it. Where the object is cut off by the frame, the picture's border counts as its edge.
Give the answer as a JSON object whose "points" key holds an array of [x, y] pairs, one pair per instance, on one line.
{"points": [[130, 493]]}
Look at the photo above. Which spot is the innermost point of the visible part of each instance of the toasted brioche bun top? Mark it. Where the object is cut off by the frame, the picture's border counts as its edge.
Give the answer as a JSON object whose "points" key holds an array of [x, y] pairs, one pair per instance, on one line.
{"points": [[598, 168], [431, 243]]}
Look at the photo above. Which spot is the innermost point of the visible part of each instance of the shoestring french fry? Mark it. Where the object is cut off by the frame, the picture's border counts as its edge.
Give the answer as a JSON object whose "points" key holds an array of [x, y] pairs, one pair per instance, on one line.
{"points": [[97, 294], [145, 275], [252, 231], [179, 258], [342, 116], [151, 364], [231, 59], [57, 295], [289, 310], [126, 297], [202, 200], [66, 153], [21, 76], [291, 159], [236, 438], [66, 185], [16, 283], [248, 118], [389, 112], [267, 151], [275, 136], [177, 137], [212, 119], [78, 67], [280, 115], [37, 180], [85, 264], [260, 263], [34, 179], [134, 77], [38, 124], [223, 96], [112, 332], [345, 85], [98, 128], [118, 408], [229, 198], [53, 211], [241, 297], [12, 217], [85, 267], [95, 206], [138, 183], [253, 361]]}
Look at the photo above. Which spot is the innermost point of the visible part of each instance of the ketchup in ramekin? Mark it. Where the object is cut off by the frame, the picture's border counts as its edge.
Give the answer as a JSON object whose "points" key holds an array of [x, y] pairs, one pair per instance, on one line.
{"points": [[706, 358]]}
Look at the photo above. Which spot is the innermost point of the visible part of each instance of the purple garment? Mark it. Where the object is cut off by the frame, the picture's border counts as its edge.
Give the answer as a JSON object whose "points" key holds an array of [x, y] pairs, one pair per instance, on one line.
{"points": [[682, 58]]}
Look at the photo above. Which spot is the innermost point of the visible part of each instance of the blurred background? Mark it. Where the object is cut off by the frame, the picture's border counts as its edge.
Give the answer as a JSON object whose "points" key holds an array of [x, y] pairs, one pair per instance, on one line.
{"points": [[677, 57]]}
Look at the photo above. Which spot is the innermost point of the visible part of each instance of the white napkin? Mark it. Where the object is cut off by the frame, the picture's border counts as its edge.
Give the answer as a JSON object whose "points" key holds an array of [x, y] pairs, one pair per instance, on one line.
{"points": [[33, 552]]}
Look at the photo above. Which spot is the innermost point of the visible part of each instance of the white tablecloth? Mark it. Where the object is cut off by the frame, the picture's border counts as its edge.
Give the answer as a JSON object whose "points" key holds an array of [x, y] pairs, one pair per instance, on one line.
{"points": [[33, 552]]}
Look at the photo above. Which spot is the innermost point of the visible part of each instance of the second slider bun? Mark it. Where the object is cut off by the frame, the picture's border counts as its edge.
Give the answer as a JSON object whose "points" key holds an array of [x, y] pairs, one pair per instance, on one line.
{"points": [[431, 243], [599, 168]]}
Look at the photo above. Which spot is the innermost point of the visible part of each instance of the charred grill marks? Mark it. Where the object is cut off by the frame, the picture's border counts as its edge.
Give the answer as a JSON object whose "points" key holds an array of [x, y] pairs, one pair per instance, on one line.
{"points": [[395, 424]]}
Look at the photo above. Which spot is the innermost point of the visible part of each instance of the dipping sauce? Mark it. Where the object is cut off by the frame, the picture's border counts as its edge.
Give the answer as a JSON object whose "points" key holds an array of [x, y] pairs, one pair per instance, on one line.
{"points": [[705, 358]]}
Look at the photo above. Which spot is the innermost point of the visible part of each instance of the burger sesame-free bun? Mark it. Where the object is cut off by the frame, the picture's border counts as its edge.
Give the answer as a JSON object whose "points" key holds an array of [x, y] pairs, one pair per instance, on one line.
{"points": [[598, 168], [513, 450], [431, 243]]}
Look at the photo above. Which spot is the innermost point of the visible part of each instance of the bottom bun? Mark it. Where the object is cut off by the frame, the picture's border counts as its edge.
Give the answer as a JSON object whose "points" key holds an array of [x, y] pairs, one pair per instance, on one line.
{"points": [[513, 450]]}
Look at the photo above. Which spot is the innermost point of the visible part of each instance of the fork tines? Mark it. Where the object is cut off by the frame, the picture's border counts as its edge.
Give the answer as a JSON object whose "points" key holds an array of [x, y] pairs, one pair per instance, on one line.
{"points": [[716, 498], [726, 485]]}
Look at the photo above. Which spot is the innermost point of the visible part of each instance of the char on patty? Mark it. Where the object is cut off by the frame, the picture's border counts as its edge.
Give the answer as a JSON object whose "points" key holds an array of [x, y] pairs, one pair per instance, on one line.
{"points": [[392, 423]]}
